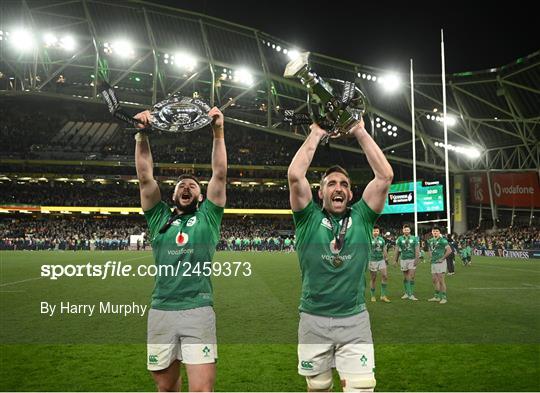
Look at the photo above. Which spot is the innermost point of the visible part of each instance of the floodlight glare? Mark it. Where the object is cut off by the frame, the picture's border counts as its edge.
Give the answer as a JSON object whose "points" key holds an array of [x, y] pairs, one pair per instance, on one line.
{"points": [[22, 40], [293, 54], [243, 76], [450, 120], [185, 61], [123, 48], [67, 43], [390, 82], [50, 39]]}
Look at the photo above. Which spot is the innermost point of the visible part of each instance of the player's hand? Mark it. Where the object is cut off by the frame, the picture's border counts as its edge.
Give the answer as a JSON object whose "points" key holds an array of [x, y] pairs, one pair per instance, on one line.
{"points": [[144, 118], [358, 127], [317, 130], [217, 118]]}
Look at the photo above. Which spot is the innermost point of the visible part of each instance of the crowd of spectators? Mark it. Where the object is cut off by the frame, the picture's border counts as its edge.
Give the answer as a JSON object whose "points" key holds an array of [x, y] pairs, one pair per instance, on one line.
{"points": [[237, 233], [29, 125], [512, 238], [124, 194]]}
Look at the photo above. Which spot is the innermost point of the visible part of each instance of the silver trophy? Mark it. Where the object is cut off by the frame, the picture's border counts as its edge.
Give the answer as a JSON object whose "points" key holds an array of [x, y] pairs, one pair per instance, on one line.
{"points": [[335, 105], [175, 114]]}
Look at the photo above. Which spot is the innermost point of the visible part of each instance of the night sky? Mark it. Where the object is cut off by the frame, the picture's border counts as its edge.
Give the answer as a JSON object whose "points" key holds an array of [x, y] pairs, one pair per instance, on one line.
{"points": [[386, 35]]}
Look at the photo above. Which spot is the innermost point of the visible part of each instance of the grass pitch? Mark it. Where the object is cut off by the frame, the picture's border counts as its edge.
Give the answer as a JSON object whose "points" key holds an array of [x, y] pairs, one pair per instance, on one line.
{"points": [[487, 337]]}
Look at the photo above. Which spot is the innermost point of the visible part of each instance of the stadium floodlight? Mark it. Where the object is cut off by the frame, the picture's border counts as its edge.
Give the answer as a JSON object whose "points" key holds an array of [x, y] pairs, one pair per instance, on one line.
{"points": [[390, 82], [278, 48], [394, 134], [185, 61], [450, 120], [471, 152], [68, 43], [243, 76], [293, 54], [50, 39], [22, 40], [123, 48]]}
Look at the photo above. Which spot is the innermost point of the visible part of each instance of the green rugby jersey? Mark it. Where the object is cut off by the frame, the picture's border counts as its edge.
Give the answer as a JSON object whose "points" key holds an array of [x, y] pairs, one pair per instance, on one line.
{"points": [[190, 240], [466, 252], [377, 248], [329, 290], [407, 246], [437, 247]]}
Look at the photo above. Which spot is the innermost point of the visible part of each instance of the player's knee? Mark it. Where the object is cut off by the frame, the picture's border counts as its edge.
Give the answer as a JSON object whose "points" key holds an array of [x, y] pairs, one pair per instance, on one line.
{"points": [[201, 387], [358, 382], [321, 381], [167, 386]]}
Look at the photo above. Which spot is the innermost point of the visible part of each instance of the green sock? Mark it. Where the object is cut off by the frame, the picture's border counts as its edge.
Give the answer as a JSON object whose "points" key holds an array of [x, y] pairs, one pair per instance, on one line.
{"points": [[437, 294], [409, 290], [383, 289], [372, 290], [411, 284], [443, 295], [406, 286]]}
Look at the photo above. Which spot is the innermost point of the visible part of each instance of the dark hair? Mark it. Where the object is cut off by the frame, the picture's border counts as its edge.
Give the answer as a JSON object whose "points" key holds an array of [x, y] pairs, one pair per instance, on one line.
{"points": [[436, 227], [406, 226], [188, 176], [335, 168], [376, 227]]}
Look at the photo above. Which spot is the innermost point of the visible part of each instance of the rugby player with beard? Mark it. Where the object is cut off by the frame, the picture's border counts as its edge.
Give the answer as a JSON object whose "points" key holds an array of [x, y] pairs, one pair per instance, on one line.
{"points": [[181, 321], [333, 244]]}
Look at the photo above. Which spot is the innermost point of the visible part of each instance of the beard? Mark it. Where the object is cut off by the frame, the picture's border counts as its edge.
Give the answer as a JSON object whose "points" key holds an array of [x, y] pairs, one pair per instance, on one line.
{"points": [[187, 209]]}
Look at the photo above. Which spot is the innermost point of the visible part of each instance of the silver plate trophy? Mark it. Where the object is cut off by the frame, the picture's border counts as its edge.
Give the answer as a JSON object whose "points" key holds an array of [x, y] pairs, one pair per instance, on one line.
{"points": [[175, 114], [335, 105]]}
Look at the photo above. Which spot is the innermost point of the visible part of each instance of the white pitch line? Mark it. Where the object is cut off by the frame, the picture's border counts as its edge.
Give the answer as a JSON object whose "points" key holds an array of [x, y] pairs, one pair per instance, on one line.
{"points": [[510, 289], [509, 268], [17, 282]]}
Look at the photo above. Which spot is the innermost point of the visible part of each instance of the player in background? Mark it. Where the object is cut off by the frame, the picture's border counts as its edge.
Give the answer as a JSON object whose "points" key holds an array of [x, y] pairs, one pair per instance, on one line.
{"points": [[439, 250], [377, 263], [408, 253]]}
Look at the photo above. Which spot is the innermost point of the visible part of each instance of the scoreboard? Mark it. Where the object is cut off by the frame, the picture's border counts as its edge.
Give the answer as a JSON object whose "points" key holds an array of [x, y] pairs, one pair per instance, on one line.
{"points": [[401, 198]]}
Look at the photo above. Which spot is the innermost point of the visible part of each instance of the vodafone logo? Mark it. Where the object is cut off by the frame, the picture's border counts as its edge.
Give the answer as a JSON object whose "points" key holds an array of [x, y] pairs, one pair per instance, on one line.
{"points": [[517, 190], [182, 239]]}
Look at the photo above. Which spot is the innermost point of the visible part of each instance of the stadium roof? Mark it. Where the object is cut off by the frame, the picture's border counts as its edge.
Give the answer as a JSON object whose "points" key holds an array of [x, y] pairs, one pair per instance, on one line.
{"points": [[496, 110]]}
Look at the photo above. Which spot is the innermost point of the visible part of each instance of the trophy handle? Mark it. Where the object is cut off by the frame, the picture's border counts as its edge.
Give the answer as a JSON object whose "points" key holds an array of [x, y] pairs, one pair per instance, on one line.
{"points": [[115, 109]]}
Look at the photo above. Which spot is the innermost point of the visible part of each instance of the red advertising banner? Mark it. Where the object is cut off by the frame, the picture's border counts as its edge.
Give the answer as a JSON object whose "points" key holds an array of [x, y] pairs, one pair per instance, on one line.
{"points": [[519, 189]]}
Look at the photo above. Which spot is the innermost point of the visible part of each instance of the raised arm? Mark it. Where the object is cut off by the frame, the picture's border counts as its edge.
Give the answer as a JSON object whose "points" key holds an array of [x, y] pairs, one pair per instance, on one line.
{"points": [[300, 190], [149, 189], [218, 183], [377, 189]]}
